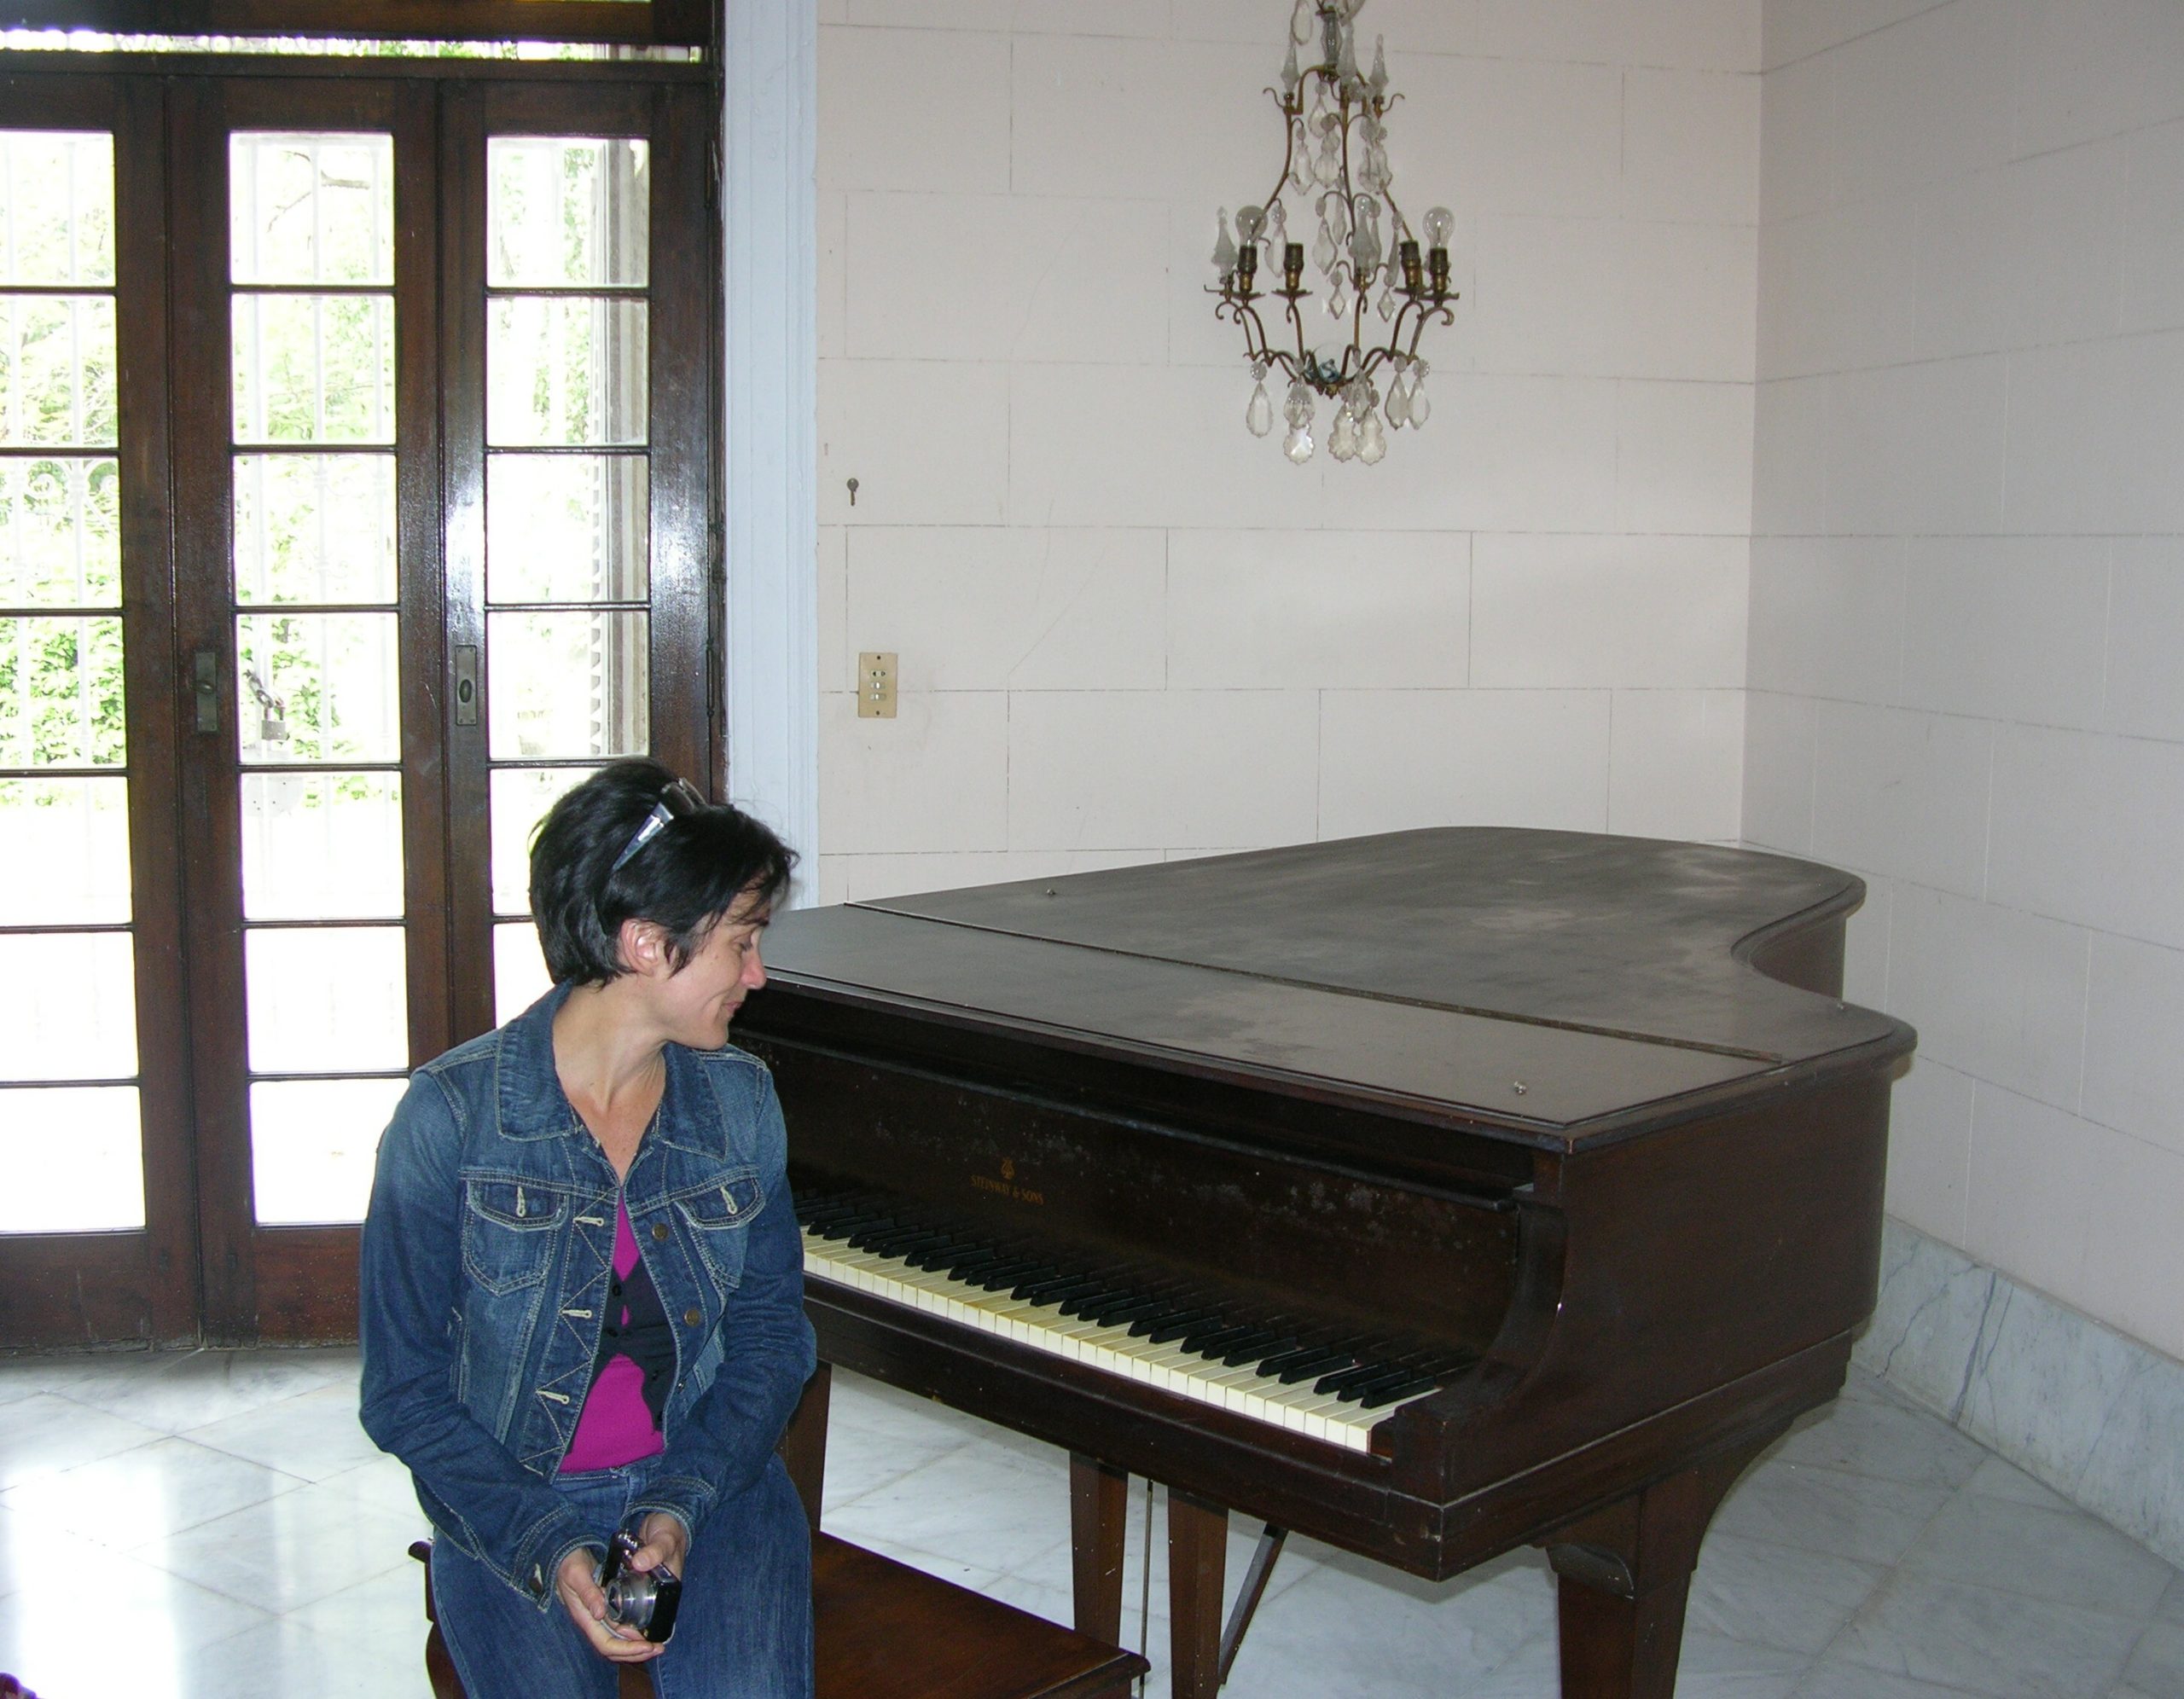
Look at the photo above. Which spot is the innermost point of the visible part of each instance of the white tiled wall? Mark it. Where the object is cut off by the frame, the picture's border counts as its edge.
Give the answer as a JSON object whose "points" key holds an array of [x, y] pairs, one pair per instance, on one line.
{"points": [[1966, 597], [1128, 629]]}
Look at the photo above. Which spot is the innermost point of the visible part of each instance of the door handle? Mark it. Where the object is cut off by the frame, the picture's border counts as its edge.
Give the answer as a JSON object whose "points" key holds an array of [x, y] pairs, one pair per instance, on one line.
{"points": [[466, 684], [207, 688]]}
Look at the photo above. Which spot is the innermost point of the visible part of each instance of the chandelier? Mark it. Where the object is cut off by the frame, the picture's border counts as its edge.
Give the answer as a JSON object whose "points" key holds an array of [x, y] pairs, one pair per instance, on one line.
{"points": [[1335, 160]]}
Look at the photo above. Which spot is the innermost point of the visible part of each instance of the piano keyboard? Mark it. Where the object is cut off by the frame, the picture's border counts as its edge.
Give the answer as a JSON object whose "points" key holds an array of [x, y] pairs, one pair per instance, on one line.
{"points": [[1306, 1381]]}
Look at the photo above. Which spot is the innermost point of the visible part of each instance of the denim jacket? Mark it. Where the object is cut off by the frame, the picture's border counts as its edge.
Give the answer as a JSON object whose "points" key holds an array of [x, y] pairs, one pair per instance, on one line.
{"points": [[486, 1258]]}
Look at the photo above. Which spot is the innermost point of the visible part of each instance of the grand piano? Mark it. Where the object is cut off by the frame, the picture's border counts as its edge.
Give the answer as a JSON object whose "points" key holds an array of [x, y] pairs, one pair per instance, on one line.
{"points": [[1429, 1193]]}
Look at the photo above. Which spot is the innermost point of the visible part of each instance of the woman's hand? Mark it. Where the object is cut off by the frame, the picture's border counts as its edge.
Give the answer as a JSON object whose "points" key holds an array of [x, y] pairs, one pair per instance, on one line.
{"points": [[665, 1542], [587, 1605]]}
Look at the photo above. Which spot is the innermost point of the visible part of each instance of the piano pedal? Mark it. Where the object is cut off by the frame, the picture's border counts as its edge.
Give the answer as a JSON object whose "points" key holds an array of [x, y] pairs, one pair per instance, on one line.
{"points": [[1271, 1540]]}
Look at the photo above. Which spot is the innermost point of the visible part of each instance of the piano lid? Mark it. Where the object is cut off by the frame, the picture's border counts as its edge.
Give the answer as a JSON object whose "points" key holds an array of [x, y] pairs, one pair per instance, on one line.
{"points": [[1430, 967]]}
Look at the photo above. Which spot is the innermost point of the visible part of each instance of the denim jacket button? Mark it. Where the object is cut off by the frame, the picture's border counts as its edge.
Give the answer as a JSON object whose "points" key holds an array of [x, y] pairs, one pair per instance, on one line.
{"points": [[659, 1230], [691, 1318]]}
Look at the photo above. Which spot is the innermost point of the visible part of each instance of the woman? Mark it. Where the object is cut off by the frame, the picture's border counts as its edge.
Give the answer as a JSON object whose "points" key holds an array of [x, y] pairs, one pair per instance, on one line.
{"points": [[583, 1306]]}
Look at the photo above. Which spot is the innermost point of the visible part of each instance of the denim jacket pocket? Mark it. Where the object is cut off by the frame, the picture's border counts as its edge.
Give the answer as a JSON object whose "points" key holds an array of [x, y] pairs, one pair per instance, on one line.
{"points": [[719, 1214], [507, 1232]]}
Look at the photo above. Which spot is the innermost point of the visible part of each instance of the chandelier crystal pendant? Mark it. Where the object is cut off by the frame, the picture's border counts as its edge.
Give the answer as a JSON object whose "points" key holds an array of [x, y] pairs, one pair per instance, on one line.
{"points": [[1335, 162]]}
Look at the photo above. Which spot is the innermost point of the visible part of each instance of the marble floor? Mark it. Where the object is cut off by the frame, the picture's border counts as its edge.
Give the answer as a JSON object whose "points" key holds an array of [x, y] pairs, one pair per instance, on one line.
{"points": [[215, 1523]]}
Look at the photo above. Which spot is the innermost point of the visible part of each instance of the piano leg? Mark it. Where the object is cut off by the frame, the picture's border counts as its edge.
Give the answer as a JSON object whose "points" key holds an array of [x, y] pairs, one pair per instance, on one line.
{"points": [[1098, 1504], [1198, 1549], [1623, 1575]]}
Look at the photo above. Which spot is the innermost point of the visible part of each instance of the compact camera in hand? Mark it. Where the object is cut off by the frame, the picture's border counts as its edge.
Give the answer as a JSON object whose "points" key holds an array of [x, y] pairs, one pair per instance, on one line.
{"points": [[643, 1599]]}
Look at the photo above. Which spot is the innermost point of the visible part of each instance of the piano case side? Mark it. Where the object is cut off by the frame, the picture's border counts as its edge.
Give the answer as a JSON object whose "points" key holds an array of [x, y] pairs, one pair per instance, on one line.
{"points": [[1676, 1290]]}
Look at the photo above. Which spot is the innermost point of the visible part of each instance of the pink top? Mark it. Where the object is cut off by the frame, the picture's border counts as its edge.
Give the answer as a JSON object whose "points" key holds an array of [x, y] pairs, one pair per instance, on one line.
{"points": [[615, 1427]]}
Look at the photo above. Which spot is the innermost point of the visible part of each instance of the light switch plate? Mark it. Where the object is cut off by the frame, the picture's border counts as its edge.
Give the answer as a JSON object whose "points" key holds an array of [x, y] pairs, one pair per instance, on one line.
{"points": [[876, 685]]}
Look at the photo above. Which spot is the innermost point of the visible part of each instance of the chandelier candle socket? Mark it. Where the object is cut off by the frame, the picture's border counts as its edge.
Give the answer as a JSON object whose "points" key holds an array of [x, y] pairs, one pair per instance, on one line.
{"points": [[1335, 161]]}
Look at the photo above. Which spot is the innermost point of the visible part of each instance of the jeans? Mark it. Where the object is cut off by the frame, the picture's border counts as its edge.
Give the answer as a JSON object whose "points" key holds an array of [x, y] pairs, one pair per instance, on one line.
{"points": [[744, 1630]]}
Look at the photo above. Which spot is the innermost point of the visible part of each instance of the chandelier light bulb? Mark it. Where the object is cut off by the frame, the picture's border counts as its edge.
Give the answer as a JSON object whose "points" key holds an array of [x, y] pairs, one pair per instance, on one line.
{"points": [[1250, 222], [1440, 225]]}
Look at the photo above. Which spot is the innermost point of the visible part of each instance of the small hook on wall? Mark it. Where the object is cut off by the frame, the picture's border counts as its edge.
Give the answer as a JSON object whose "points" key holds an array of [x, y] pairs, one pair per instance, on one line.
{"points": [[853, 492]]}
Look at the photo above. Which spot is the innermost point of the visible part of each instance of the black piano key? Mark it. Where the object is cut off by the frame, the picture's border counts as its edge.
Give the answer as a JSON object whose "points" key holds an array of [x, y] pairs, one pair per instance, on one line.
{"points": [[1390, 1375], [1176, 1327], [1008, 1271], [1440, 1364], [1296, 1353], [1105, 1290], [1246, 1350], [905, 1245], [1243, 1338], [1333, 1385], [1246, 1343], [885, 1232], [1082, 1283], [1129, 1308], [1211, 1341], [964, 1261], [1174, 1307], [877, 1238], [841, 1225], [936, 1253], [1314, 1364], [1252, 1350], [1053, 1291], [964, 1257], [1389, 1391]]}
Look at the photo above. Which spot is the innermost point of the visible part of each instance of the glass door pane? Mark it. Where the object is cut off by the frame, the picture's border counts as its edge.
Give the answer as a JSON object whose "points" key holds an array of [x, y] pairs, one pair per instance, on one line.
{"points": [[316, 645], [567, 493], [68, 1040]]}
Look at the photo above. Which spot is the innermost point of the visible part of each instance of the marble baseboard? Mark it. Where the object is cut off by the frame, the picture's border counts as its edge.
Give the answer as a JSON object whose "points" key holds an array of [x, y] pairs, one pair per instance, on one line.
{"points": [[2093, 1414]]}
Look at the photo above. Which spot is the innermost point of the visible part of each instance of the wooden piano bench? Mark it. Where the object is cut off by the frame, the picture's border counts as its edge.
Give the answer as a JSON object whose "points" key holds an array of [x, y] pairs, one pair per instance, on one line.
{"points": [[882, 1630], [886, 1631]]}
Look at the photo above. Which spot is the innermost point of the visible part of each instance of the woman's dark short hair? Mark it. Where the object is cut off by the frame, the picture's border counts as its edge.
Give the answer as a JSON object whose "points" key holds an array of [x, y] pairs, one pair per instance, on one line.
{"points": [[682, 878]]}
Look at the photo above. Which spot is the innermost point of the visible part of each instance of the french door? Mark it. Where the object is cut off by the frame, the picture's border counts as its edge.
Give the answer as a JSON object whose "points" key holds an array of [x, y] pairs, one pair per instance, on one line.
{"points": [[355, 501]]}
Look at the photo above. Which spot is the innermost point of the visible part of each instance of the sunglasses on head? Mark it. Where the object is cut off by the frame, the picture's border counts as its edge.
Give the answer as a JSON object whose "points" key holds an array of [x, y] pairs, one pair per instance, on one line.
{"points": [[677, 799]]}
